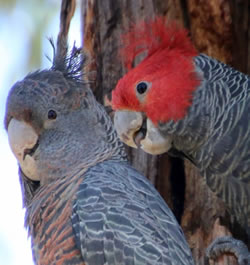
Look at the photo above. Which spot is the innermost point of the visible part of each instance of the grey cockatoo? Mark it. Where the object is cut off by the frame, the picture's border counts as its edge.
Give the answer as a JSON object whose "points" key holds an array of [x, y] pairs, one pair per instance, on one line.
{"points": [[84, 203], [190, 105]]}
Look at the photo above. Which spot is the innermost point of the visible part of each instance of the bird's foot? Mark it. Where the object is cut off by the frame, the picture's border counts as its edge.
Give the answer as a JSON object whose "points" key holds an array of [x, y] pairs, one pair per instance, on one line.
{"points": [[228, 244]]}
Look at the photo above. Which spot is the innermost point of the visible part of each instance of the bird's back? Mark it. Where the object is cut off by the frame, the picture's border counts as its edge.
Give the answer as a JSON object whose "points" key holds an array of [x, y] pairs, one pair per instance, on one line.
{"points": [[226, 155]]}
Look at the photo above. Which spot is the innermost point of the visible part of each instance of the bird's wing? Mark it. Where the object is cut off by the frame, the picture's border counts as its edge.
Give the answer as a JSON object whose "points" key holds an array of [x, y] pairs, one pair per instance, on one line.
{"points": [[119, 218]]}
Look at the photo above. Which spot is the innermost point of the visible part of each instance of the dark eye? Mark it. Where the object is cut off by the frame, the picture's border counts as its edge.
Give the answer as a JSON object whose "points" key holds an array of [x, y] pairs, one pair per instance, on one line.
{"points": [[52, 114], [141, 87]]}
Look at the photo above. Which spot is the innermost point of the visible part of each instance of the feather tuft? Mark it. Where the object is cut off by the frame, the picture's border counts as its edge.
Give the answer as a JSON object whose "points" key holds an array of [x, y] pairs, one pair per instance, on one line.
{"points": [[153, 36], [70, 64]]}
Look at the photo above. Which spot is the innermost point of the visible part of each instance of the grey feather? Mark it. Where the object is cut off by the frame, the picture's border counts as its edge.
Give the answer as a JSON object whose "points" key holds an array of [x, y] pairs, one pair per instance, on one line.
{"points": [[118, 212], [215, 133]]}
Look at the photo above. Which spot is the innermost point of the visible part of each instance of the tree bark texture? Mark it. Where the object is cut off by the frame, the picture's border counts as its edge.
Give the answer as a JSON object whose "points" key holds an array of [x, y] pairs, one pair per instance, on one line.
{"points": [[219, 28]]}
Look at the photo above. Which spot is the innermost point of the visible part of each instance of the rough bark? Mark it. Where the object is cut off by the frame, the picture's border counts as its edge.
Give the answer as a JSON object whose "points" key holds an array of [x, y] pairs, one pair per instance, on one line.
{"points": [[218, 29]]}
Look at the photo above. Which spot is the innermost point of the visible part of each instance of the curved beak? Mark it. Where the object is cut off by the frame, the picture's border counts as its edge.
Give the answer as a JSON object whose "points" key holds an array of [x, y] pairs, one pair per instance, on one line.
{"points": [[154, 142], [127, 123], [137, 131], [23, 142]]}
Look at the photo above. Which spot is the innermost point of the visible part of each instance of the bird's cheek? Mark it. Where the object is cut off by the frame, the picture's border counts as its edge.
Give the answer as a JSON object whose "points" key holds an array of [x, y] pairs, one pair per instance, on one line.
{"points": [[23, 141], [154, 143]]}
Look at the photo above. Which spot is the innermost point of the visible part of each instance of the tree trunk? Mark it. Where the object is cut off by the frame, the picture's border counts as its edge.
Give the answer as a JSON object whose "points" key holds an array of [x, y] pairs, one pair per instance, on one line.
{"points": [[218, 28]]}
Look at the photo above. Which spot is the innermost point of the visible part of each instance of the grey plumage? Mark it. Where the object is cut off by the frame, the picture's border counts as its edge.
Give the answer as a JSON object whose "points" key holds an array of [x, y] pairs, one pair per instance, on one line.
{"points": [[119, 218], [84, 203], [215, 134]]}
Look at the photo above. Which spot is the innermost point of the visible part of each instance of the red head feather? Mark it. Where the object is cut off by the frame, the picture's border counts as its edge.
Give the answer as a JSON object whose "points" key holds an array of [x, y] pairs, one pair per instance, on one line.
{"points": [[168, 67]]}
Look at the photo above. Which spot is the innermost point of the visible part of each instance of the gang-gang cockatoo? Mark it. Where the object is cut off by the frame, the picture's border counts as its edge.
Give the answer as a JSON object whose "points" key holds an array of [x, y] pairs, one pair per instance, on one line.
{"points": [[188, 104]]}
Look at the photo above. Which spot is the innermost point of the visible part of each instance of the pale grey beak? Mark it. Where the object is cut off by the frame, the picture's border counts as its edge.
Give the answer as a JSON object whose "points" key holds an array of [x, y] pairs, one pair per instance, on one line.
{"points": [[22, 139], [137, 131]]}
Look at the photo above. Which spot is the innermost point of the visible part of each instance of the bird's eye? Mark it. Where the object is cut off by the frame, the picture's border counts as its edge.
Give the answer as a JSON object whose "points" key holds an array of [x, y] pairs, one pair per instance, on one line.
{"points": [[142, 87], [52, 114]]}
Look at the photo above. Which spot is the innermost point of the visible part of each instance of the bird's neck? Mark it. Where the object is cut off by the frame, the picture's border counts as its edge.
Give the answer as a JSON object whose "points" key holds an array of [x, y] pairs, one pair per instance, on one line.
{"points": [[113, 148], [215, 111]]}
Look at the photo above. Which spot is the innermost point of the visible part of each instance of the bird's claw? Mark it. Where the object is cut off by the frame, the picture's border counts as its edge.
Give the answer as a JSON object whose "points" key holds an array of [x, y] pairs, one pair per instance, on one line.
{"points": [[228, 244]]}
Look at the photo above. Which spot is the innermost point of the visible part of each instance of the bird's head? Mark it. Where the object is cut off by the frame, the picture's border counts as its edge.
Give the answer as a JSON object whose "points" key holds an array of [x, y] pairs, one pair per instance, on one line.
{"points": [[55, 126], [160, 88]]}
